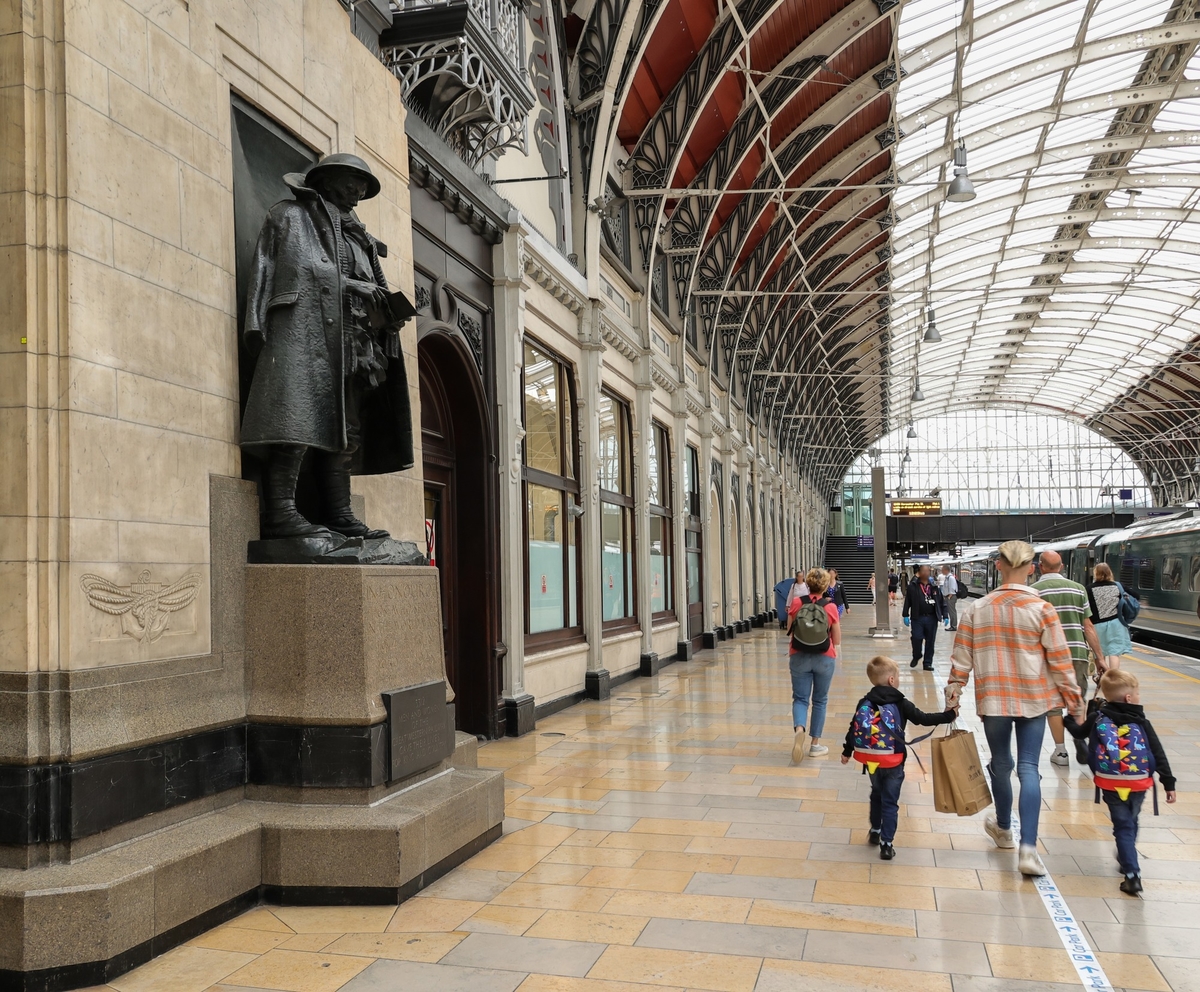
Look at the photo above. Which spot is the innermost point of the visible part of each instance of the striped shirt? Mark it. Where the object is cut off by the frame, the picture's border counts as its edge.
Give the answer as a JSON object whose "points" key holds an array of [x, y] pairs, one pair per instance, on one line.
{"points": [[1014, 643], [1070, 601]]}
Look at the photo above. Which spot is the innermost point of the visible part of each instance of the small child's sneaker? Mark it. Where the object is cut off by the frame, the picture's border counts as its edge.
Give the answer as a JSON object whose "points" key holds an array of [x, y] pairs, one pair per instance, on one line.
{"points": [[873, 837], [886, 852], [1060, 757], [1131, 885]]}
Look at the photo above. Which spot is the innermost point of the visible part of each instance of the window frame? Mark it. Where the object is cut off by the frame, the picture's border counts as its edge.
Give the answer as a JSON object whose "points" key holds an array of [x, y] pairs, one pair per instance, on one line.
{"points": [[1147, 565], [692, 523], [568, 486], [625, 500], [1177, 575], [661, 440]]}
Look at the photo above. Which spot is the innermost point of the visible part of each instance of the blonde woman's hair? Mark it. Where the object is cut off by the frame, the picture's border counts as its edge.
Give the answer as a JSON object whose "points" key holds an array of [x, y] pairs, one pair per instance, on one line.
{"points": [[1016, 553], [818, 580], [1116, 682], [1102, 572], [880, 669]]}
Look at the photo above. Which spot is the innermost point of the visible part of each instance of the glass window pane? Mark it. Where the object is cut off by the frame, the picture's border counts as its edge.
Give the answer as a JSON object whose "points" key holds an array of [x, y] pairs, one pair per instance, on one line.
{"points": [[543, 441], [652, 469], [660, 563], [545, 559], [572, 575], [1172, 573], [693, 566], [1195, 585], [615, 561], [610, 448]]}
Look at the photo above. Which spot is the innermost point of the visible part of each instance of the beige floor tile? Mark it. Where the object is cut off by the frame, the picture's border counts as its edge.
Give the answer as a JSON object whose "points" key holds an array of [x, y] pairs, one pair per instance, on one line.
{"points": [[875, 894], [716, 909], [593, 856], [512, 920], [539, 835], [647, 842], [579, 897], [812, 976], [685, 828], [1052, 964], [651, 966], [946, 878], [848, 871], [428, 915], [555, 983], [511, 857], [309, 941], [749, 847], [647, 879], [586, 838], [851, 919], [553, 873], [336, 919], [260, 918], [185, 969], [397, 946], [600, 928], [299, 971], [596, 793], [231, 938], [717, 864]]}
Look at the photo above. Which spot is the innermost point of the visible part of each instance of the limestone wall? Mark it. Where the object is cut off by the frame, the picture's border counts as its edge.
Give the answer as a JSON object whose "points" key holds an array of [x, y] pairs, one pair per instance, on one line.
{"points": [[118, 365]]}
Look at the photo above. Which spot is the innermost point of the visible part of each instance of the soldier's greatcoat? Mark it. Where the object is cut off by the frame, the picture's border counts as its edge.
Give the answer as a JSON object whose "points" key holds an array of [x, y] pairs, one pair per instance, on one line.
{"points": [[294, 314]]}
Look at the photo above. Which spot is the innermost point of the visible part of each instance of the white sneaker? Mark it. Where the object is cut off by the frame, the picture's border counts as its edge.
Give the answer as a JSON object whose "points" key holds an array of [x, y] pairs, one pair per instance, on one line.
{"points": [[1001, 838], [1028, 863], [817, 750], [1060, 757], [799, 746]]}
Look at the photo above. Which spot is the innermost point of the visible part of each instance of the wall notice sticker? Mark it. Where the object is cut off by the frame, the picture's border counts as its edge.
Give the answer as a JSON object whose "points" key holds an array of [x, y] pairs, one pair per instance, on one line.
{"points": [[1087, 965]]}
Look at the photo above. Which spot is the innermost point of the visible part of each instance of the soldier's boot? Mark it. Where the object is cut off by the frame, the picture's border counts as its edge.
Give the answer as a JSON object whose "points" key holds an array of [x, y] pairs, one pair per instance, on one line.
{"points": [[337, 512], [280, 518]]}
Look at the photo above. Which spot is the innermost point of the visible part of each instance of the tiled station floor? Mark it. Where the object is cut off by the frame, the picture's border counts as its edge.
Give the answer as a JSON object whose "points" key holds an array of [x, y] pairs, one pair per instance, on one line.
{"points": [[662, 840]]}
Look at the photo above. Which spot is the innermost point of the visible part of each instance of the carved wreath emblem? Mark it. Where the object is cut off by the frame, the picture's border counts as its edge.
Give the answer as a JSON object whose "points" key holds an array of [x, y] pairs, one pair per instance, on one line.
{"points": [[143, 606]]}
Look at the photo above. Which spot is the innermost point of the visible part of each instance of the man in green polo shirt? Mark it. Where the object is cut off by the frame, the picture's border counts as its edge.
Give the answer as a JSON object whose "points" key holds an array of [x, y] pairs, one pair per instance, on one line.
{"points": [[1070, 600]]}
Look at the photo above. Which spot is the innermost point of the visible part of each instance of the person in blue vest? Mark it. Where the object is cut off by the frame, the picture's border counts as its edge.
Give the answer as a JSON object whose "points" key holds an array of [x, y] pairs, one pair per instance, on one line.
{"points": [[924, 609]]}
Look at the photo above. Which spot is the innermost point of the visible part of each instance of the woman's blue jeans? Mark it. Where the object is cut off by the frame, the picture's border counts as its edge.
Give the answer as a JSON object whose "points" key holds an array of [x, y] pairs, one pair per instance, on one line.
{"points": [[811, 676], [1029, 731]]}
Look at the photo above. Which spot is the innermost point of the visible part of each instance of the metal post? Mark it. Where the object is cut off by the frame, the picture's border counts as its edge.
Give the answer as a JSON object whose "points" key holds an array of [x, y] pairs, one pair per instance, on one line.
{"points": [[883, 618]]}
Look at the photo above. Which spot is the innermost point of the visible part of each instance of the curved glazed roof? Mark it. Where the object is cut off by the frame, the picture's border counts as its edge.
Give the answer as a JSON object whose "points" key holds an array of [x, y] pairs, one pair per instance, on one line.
{"points": [[758, 146]]}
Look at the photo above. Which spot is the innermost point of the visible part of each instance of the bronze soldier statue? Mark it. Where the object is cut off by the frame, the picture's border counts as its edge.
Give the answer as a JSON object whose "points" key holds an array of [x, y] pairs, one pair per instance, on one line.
{"points": [[329, 374]]}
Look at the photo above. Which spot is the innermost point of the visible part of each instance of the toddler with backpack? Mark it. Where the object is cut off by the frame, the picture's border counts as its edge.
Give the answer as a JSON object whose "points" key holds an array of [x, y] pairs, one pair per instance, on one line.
{"points": [[876, 739], [1124, 754]]}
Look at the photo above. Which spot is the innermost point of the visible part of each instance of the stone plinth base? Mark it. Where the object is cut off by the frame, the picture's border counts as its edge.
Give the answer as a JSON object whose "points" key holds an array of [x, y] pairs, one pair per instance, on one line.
{"points": [[67, 926]]}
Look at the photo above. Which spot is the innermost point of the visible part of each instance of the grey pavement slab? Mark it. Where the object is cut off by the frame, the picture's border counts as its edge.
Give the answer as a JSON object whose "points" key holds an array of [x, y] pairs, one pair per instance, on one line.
{"points": [[414, 976], [907, 953], [752, 887], [572, 958], [724, 938]]}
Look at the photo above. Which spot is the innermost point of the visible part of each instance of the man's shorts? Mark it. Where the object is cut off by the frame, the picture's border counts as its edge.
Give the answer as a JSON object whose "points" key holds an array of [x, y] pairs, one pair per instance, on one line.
{"points": [[1083, 670]]}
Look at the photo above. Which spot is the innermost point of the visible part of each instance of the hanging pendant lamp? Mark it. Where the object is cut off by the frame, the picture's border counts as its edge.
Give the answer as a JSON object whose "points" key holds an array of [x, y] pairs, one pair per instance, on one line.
{"points": [[932, 336], [912, 431], [961, 190], [917, 395]]}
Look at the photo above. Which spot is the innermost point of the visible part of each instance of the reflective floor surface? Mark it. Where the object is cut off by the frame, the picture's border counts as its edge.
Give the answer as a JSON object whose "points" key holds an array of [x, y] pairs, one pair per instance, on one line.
{"points": [[662, 839]]}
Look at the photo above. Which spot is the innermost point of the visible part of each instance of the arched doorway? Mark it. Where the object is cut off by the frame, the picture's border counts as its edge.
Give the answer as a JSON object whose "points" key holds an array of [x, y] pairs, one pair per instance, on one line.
{"points": [[460, 523]]}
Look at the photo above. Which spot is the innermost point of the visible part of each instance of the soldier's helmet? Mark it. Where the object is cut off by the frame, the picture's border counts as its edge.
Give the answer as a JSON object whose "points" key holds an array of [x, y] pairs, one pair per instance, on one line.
{"points": [[343, 160]]}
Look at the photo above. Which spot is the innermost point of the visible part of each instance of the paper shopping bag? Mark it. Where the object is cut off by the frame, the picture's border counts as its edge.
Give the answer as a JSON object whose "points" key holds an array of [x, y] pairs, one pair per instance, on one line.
{"points": [[959, 785]]}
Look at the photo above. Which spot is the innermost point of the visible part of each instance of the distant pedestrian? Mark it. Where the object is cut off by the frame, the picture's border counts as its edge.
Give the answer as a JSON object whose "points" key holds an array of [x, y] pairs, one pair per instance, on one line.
{"points": [[871, 587], [799, 588], [1070, 601], [893, 586], [812, 652], [948, 585], [1104, 596], [1014, 644], [837, 593], [923, 610]]}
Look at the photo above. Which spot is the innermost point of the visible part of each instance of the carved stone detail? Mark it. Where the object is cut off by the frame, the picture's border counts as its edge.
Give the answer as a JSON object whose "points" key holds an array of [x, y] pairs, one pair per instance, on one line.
{"points": [[144, 607]]}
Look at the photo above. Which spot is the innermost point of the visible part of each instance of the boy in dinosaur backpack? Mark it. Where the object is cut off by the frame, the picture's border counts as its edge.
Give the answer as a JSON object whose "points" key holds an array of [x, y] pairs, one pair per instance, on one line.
{"points": [[1124, 753], [876, 739]]}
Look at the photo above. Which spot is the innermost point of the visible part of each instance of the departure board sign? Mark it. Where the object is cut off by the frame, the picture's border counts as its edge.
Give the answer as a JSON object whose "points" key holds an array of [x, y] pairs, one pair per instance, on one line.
{"points": [[916, 508]]}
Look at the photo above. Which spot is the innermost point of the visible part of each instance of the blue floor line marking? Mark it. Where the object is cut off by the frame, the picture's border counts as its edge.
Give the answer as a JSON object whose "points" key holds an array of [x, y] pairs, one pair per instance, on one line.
{"points": [[1087, 965]]}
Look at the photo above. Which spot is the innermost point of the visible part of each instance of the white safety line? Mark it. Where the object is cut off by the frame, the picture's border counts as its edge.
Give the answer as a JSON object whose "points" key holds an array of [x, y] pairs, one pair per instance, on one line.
{"points": [[1087, 965]]}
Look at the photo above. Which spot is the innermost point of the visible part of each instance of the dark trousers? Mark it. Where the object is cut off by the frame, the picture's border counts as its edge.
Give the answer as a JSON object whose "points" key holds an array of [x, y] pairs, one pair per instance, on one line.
{"points": [[885, 801], [1124, 814], [924, 629]]}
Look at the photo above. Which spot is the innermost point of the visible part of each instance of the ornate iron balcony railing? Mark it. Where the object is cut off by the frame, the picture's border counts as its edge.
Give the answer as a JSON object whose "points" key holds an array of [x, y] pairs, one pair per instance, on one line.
{"points": [[461, 64]]}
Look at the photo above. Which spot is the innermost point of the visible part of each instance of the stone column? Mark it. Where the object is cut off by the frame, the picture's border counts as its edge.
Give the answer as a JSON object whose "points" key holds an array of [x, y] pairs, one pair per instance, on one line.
{"points": [[641, 496], [510, 359], [591, 609], [679, 519], [711, 556], [883, 619]]}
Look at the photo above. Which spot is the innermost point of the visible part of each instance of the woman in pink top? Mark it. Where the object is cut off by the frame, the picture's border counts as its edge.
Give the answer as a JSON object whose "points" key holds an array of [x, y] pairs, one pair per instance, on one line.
{"points": [[812, 671]]}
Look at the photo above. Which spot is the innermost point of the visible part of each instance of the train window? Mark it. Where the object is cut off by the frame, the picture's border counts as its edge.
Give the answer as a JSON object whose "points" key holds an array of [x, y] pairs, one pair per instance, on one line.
{"points": [[1146, 573], [1172, 573], [1127, 573], [1195, 586]]}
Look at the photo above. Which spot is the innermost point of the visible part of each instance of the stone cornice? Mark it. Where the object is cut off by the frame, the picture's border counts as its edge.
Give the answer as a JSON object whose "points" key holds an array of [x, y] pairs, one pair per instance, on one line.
{"points": [[612, 335], [660, 377], [544, 265]]}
